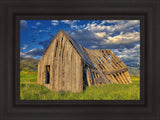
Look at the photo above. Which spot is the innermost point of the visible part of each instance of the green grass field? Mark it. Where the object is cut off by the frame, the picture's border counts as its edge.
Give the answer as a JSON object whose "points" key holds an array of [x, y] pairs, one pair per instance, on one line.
{"points": [[30, 90]]}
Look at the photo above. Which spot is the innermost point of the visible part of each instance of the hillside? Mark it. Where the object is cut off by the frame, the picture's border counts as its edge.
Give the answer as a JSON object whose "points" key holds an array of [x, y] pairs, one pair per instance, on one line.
{"points": [[134, 71], [28, 65]]}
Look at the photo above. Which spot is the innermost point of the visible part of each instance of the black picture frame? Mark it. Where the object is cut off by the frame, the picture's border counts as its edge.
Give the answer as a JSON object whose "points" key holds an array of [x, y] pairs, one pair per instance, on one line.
{"points": [[16, 32], [11, 108]]}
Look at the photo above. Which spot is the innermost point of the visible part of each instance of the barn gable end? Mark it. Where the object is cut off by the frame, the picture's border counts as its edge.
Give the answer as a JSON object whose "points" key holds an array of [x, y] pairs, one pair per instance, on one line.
{"points": [[65, 63]]}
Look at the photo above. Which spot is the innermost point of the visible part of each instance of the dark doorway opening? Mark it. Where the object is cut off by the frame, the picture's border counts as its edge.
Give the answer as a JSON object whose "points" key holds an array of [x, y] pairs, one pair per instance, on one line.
{"points": [[47, 74], [85, 84]]}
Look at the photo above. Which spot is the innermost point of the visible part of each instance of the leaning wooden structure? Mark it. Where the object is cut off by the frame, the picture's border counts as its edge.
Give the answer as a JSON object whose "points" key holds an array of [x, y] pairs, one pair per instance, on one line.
{"points": [[67, 66]]}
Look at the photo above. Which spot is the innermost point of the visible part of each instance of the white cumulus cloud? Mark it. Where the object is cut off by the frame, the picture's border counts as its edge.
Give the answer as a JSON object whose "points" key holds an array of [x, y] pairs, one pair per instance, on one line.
{"points": [[101, 34], [129, 55], [33, 53], [124, 38], [54, 22], [72, 23]]}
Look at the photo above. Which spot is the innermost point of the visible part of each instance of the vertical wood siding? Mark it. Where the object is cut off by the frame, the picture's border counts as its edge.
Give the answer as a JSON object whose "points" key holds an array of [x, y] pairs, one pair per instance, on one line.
{"points": [[65, 66]]}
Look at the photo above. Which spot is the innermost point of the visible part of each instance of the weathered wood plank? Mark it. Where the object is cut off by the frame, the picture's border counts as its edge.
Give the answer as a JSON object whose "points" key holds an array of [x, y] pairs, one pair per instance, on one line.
{"points": [[115, 71], [89, 77]]}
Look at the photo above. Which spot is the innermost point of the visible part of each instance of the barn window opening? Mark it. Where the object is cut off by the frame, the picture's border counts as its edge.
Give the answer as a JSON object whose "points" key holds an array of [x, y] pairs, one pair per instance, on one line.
{"points": [[47, 74]]}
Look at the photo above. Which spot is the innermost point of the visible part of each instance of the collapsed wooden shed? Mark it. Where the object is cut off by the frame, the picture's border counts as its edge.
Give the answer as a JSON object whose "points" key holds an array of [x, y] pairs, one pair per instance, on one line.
{"points": [[67, 66]]}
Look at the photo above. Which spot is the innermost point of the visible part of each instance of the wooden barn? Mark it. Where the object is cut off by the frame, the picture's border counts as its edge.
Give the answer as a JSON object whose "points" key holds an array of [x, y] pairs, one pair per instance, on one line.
{"points": [[67, 66]]}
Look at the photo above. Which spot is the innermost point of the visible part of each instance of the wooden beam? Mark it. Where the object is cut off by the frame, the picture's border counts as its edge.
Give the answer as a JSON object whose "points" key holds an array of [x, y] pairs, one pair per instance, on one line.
{"points": [[115, 71]]}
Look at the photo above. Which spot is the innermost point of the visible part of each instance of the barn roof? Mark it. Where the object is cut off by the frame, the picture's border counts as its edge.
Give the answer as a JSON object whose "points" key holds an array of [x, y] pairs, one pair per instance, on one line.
{"points": [[81, 51]]}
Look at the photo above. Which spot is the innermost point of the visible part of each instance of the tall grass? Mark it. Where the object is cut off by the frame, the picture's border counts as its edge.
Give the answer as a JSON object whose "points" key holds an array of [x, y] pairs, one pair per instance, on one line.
{"points": [[30, 90]]}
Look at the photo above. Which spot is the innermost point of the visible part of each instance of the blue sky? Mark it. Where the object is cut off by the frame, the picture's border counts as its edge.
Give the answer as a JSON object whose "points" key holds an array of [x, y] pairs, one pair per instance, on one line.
{"points": [[121, 36]]}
